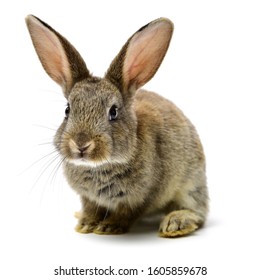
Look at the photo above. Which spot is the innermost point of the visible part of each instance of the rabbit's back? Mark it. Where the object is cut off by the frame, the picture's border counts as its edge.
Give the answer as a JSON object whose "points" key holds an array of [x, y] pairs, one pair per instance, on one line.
{"points": [[170, 130], [172, 145]]}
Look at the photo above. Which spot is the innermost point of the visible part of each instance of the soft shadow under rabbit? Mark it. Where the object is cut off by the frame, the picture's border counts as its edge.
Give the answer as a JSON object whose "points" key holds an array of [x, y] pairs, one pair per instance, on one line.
{"points": [[127, 152]]}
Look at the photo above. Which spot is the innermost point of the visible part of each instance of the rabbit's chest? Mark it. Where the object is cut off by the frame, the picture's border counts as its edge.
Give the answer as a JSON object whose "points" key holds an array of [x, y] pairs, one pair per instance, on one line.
{"points": [[104, 188]]}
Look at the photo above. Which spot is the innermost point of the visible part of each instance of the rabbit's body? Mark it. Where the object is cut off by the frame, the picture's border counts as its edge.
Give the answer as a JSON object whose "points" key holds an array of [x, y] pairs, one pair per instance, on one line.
{"points": [[108, 184], [126, 151]]}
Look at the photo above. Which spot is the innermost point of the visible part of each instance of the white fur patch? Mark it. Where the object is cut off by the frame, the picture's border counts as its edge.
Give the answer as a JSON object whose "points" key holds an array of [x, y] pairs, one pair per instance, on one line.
{"points": [[95, 164]]}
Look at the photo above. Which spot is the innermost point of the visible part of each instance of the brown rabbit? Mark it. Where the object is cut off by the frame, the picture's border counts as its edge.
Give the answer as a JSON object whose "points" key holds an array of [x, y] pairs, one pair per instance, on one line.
{"points": [[127, 152]]}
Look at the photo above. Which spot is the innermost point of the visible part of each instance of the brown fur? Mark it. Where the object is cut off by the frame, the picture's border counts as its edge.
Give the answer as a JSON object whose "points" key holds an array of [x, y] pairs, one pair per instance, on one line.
{"points": [[148, 160]]}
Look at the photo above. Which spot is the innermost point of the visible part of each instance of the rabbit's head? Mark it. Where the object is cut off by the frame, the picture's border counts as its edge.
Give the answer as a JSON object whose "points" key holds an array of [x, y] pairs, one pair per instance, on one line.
{"points": [[100, 123]]}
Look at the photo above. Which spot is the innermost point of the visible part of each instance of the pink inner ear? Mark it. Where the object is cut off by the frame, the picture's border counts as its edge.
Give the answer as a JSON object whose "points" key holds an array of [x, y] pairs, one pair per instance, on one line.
{"points": [[50, 52], [145, 53]]}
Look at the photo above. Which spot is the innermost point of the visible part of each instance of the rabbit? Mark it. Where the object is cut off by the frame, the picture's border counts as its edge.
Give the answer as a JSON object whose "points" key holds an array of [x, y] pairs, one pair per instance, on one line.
{"points": [[129, 153]]}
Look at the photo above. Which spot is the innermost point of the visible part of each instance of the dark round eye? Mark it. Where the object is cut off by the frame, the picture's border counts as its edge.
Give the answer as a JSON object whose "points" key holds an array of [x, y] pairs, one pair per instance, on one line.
{"points": [[113, 113], [67, 111]]}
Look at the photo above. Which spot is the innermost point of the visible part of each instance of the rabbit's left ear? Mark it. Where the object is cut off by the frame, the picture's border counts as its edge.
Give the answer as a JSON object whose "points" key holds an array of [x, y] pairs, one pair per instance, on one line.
{"points": [[59, 58], [141, 56]]}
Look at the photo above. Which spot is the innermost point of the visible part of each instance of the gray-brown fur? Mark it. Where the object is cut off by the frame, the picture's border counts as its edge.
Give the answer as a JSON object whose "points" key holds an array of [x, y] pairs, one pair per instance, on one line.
{"points": [[148, 159]]}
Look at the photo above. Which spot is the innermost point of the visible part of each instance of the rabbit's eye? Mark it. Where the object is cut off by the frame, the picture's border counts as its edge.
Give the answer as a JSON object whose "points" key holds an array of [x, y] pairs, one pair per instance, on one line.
{"points": [[113, 112], [67, 111]]}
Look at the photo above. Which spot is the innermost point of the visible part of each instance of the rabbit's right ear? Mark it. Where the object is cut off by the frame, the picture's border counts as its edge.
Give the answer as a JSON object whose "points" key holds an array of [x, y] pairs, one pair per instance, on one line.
{"points": [[141, 56], [59, 58]]}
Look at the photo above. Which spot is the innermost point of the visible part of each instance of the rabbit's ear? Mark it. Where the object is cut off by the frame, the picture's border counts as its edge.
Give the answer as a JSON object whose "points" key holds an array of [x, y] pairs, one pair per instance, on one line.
{"points": [[141, 56], [59, 58]]}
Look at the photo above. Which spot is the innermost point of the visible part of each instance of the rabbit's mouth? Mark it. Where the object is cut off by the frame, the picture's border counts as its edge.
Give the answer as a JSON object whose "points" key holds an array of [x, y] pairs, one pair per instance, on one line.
{"points": [[88, 156]]}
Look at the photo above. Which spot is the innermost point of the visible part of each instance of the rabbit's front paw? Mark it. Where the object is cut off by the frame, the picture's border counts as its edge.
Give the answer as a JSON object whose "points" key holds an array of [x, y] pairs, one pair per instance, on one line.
{"points": [[85, 224], [93, 224], [105, 227], [85, 227], [179, 223]]}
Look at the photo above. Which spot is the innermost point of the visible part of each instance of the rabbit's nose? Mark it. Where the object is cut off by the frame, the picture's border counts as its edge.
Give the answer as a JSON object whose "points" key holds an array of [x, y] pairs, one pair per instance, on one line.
{"points": [[83, 150], [86, 148]]}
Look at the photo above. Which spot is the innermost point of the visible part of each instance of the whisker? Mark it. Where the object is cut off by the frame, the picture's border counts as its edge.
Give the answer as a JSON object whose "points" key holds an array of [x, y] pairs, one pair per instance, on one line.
{"points": [[37, 161], [46, 143], [46, 127], [55, 170], [45, 168]]}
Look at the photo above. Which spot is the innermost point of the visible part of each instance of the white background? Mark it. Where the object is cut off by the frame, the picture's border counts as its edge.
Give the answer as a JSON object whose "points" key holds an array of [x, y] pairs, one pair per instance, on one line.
{"points": [[211, 72]]}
